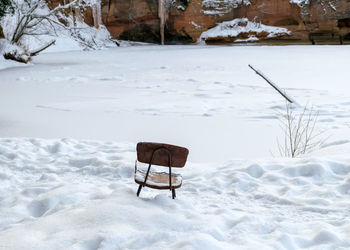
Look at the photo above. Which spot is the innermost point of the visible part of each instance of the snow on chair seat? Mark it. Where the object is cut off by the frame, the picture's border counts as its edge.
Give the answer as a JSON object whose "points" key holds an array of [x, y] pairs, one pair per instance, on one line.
{"points": [[158, 180], [164, 155]]}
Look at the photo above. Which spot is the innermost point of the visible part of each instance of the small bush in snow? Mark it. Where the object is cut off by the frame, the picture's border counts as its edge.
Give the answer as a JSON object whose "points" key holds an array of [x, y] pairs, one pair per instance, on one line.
{"points": [[300, 136]]}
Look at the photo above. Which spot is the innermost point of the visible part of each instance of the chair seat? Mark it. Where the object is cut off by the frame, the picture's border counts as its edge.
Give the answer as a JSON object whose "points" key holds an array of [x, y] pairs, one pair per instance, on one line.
{"points": [[158, 180]]}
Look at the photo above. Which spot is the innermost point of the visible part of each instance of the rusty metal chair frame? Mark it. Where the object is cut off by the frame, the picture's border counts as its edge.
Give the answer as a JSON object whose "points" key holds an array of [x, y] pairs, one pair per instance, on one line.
{"points": [[169, 165]]}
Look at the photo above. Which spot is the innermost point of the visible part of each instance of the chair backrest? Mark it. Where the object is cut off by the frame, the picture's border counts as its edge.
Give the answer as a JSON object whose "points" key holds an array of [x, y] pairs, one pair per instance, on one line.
{"points": [[161, 151]]}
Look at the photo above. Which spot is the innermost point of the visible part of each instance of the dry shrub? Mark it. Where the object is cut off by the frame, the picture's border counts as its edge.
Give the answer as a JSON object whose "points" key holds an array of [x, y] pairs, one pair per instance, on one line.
{"points": [[300, 134]]}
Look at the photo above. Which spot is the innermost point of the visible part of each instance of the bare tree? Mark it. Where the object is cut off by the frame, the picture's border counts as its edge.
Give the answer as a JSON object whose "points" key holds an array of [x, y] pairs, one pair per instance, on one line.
{"points": [[300, 136], [33, 18], [29, 17]]}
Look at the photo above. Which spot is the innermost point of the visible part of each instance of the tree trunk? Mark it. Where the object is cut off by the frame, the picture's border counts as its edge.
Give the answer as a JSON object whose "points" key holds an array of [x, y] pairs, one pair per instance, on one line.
{"points": [[1, 33], [162, 18]]}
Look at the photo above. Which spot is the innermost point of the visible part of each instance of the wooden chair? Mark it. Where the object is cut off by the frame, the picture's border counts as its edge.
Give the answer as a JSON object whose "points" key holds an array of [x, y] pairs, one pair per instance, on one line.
{"points": [[160, 154]]}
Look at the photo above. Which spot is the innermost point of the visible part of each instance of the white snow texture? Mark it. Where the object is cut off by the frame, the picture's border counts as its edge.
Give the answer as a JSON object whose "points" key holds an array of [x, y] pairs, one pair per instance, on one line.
{"points": [[79, 192], [242, 25], [70, 194], [220, 7]]}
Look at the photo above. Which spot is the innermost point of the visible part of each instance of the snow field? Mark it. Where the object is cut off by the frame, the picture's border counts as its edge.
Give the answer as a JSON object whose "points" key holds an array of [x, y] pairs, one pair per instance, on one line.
{"points": [[75, 194], [201, 94], [79, 193]]}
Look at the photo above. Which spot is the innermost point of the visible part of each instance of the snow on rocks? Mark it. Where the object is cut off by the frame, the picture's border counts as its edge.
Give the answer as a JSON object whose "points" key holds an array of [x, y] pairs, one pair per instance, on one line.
{"points": [[300, 3], [76, 194], [221, 7], [242, 30]]}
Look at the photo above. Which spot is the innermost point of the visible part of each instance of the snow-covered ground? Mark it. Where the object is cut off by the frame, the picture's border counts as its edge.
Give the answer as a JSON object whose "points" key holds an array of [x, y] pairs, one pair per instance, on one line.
{"points": [[79, 193]]}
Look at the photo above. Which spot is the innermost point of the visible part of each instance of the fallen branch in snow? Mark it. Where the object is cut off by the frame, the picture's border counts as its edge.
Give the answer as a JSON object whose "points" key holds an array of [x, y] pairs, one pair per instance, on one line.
{"points": [[115, 42], [34, 53], [289, 99]]}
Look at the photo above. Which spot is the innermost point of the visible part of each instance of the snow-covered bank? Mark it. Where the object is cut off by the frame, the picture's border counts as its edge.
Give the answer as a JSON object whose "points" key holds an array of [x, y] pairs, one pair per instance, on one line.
{"points": [[4, 64], [74, 194]]}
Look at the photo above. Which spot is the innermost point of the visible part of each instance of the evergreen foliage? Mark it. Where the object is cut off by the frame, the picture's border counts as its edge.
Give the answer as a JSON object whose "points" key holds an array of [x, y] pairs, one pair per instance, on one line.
{"points": [[4, 6]]}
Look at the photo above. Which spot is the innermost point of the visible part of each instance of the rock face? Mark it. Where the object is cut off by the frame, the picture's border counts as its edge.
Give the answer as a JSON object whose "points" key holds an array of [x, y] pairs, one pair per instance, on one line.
{"points": [[309, 21], [135, 20]]}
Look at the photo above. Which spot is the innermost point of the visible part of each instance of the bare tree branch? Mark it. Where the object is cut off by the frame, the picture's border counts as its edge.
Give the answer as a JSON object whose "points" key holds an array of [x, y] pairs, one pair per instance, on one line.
{"points": [[34, 53], [282, 93]]}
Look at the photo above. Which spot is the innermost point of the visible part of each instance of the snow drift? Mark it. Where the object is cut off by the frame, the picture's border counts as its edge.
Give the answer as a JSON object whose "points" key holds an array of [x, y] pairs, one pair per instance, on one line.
{"points": [[80, 194], [75, 194]]}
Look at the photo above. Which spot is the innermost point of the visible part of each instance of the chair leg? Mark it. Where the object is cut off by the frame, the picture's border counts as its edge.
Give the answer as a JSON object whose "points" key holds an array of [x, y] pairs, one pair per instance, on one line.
{"points": [[173, 193], [139, 190]]}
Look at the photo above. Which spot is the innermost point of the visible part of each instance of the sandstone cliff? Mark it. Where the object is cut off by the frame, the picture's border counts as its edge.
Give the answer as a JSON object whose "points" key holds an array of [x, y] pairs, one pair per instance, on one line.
{"points": [[309, 21]]}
